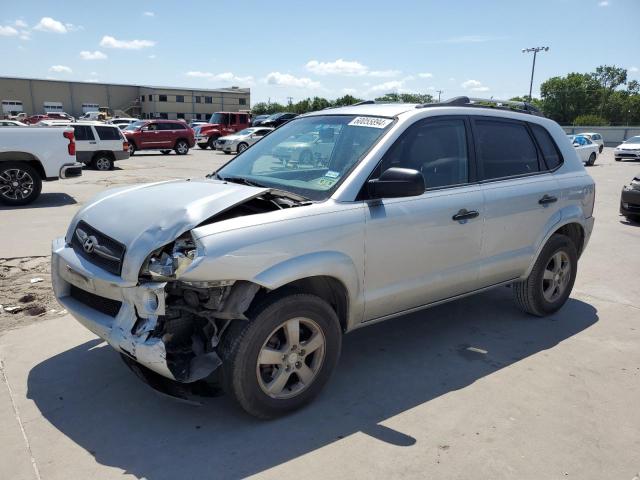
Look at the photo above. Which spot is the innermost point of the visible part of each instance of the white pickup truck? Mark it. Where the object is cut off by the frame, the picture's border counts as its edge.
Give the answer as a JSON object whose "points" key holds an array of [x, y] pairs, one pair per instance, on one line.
{"points": [[29, 156]]}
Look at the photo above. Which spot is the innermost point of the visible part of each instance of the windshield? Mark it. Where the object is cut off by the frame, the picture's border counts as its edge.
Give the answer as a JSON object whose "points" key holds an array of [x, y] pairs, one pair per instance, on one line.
{"points": [[246, 131], [633, 140], [308, 156], [219, 118], [134, 125]]}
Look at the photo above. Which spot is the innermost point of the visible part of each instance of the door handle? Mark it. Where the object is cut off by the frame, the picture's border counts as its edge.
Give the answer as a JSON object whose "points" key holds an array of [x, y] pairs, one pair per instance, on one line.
{"points": [[93, 143], [464, 214], [546, 199]]}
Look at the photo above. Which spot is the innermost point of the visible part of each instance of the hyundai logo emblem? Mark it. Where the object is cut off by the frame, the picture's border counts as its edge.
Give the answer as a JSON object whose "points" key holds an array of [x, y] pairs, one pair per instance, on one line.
{"points": [[89, 244]]}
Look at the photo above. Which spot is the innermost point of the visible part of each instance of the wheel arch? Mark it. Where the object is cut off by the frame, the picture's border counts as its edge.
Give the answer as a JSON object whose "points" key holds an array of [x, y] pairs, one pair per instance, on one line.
{"points": [[180, 139], [107, 153], [28, 158]]}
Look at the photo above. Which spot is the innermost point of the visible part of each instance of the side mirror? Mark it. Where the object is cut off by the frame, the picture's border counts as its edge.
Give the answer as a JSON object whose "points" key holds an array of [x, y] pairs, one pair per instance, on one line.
{"points": [[144, 129], [397, 182]]}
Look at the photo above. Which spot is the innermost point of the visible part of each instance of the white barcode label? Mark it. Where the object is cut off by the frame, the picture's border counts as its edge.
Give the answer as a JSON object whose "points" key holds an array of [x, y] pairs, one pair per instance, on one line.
{"points": [[373, 122]]}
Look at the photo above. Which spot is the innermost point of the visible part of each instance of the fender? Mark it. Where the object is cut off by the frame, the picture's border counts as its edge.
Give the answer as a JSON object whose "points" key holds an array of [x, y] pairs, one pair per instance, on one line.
{"points": [[324, 263], [569, 214]]}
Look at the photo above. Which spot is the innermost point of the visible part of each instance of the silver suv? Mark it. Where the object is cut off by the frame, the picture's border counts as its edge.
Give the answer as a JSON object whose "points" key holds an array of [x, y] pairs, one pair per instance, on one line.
{"points": [[250, 277]]}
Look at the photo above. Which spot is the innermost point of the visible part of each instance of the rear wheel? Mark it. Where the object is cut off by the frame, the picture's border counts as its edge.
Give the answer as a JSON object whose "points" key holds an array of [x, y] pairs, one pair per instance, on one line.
{"points": [[601, 148], [549, 284], [592, 159], [182, 147], [618, 159], [132, 149], [280, 360], [19, 183], [165, 152], [102, 162]]}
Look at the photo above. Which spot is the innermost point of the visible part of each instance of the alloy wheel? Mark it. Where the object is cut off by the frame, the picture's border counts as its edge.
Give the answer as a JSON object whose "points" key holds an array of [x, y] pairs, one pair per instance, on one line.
{"points": [[103, 163], [556, 277], [182, 148], [16, 184], [291, 358]]}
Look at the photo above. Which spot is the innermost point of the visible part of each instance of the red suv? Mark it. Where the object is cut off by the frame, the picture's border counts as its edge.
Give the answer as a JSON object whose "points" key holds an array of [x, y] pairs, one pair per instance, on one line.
{"points": [[163, 135]]}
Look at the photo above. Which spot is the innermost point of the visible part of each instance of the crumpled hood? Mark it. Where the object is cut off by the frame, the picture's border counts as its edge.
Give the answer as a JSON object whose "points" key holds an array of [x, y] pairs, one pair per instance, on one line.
{"points": [[148, 216]]}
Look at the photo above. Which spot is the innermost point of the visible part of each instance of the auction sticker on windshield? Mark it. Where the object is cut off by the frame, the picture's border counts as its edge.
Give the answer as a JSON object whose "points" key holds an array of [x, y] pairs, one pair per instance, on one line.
{"points": [[372, 122]]}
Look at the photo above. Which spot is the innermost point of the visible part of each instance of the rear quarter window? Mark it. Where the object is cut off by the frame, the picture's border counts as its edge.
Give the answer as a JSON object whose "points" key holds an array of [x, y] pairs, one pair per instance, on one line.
{"points": [[83, 132], [550, 152], [108, 133]]}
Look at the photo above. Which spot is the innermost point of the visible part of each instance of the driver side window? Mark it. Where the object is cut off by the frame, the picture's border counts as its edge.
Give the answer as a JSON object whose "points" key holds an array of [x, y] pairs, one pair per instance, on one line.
{"points": [[437, 149]]}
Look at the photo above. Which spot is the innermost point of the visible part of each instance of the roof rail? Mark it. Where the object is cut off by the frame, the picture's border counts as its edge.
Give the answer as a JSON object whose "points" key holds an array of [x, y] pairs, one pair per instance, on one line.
{"points": [[364, 102], [512, 105]]}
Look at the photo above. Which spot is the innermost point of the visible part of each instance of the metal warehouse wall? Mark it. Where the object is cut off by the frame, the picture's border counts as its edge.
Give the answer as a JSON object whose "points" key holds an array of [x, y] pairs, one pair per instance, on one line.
{"points": [[33, 93]]}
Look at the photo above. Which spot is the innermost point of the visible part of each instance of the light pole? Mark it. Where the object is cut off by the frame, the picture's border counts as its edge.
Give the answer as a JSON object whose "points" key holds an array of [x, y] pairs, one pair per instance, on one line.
{"points": [[439, 92], [535, 51]]}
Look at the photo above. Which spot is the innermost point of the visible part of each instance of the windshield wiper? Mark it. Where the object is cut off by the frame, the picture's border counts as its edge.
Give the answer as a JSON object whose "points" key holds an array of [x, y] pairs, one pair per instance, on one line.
{"points": [[240, 180]]}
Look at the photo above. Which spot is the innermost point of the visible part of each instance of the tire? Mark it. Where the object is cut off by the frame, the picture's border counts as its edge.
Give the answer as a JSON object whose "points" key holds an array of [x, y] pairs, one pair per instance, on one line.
{"points": [[226, 153], [592, 159], [102, 162], [182, 147], [242, 147], [132, 149], [212, 143], [165, 152], [249, 382], [20, 184], [601, 148], [532, 295], [203, 146], [617, 159]]}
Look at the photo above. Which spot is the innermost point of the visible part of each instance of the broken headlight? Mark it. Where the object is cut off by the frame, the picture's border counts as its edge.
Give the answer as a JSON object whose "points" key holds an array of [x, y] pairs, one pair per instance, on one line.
{"points": [[170, 261]]}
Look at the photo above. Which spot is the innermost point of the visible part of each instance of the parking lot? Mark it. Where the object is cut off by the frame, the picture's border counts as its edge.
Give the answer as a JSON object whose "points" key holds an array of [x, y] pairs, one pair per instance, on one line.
{"points": [[470, 389]]}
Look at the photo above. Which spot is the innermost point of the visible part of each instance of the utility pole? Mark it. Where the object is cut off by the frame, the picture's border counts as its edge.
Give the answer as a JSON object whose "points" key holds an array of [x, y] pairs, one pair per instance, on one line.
{"points": [[290, 100], [439, 92], [535, 51]]}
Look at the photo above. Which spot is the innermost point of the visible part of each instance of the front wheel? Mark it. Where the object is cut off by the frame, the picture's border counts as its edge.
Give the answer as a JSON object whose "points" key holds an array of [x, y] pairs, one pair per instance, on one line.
{"points": [[550, 282], [601, 148], [212, 143], [203, 146], [165, 152], [281, 358], [242, 147], [132, 149], [182, 147], [19, 183]]}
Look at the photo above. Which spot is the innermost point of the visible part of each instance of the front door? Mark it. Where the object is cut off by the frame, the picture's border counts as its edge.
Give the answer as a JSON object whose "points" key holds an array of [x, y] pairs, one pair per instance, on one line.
{"points": [[150, 136], [426, 248]]}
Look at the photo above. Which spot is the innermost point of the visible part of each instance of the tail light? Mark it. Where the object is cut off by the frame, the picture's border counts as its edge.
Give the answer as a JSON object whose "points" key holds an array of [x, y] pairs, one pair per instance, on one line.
{"points": [[72, 142], [125, 146]]}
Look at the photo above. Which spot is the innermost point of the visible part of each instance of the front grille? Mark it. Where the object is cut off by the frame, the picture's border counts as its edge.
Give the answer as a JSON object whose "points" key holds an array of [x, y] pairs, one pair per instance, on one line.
{"points": [[628, 155], [101, 304], [105, 251]]}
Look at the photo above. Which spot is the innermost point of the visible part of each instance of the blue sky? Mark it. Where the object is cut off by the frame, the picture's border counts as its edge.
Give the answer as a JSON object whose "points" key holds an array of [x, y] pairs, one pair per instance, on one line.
{"points": [[328, 48]]}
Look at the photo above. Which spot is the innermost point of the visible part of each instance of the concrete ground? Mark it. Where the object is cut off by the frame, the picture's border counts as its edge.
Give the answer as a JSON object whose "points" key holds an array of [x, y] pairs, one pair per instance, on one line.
{"points": [[551, 398]]}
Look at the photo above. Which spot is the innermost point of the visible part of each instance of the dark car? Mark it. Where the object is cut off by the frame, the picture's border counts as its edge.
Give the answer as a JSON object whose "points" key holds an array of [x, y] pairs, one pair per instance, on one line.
{"points": [[257, 120], [278, 119], [163, 135], [630, 200]]}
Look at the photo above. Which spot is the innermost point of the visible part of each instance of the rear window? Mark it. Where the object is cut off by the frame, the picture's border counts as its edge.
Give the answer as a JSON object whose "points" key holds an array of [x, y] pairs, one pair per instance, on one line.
{"points": [[550, 152], [505, 149], [83, 132], [108, 133]]}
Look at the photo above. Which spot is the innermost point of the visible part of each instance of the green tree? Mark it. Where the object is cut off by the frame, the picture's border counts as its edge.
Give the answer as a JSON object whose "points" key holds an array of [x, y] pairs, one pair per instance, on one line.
{"points": [[565, 98], [609, 77]]}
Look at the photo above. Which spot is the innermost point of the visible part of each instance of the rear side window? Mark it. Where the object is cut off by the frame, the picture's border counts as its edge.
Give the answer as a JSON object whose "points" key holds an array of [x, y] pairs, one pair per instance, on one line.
{"points": [[504, 149], [83, 132], [550, 152], [108, 133]]}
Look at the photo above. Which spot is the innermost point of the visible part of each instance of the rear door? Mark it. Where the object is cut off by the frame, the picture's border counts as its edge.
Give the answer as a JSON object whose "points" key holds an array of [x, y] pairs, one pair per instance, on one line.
{"points": [[86, 143], [110, 138], [520, 196]]}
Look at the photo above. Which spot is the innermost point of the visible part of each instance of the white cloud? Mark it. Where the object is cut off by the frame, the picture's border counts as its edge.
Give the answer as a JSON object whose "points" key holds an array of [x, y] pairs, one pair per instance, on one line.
{"points": [[73, 28], [149, 14], [60, 69], [8, 31], [48, 24], [633, 69], [152, 56], [350, 68], [224, 77], [111, 42], [288, 80], [95, 55], [349, 91], [339, 67], [603, 4], [425, 75], [25, 35], [474, 86], [387, 87], [384, 73], [20, 24]]}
